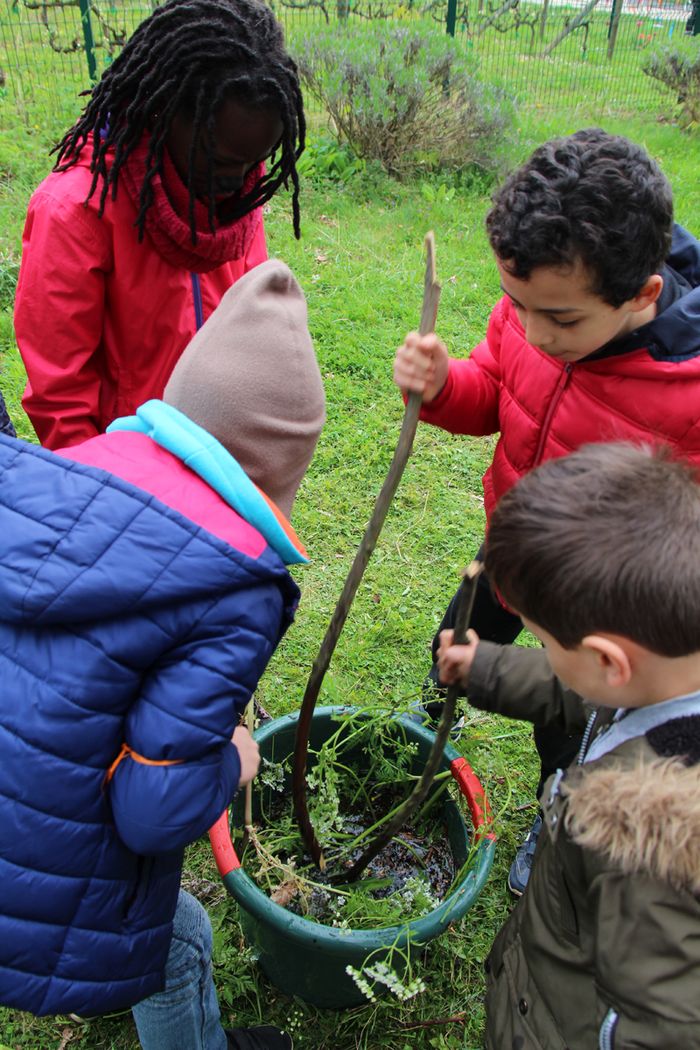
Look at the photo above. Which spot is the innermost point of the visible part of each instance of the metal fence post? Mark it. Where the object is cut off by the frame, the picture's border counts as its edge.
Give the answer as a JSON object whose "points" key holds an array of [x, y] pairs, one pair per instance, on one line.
{"points": [[693, 23], [451, 23], [88, 38], [614, 25]]}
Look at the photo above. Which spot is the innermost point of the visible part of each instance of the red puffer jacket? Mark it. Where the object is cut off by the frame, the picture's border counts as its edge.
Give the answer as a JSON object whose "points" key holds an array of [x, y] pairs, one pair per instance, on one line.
{"points": [[101, 319], [645, 387]]}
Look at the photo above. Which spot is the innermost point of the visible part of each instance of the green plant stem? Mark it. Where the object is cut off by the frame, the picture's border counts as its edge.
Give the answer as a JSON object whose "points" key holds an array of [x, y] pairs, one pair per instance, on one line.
{"points": [[434, 797]]}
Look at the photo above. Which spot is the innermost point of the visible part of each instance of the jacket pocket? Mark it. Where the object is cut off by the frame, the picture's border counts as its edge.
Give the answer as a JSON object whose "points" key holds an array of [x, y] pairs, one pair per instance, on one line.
{"points": [[137, 894], [517, 1016]]}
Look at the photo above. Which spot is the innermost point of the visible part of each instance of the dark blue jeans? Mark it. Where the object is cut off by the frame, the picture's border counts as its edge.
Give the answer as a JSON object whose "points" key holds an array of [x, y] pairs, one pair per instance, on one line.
{"points": [[5, 421]]}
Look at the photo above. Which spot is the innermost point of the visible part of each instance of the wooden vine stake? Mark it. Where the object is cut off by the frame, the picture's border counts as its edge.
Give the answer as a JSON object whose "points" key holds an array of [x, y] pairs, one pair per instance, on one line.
{"points": [[431, 298]]}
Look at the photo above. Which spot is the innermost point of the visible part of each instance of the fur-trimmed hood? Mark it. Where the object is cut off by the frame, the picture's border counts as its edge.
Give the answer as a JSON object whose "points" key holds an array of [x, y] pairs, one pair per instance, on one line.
{"points": [[615, 810], [604, 947]]}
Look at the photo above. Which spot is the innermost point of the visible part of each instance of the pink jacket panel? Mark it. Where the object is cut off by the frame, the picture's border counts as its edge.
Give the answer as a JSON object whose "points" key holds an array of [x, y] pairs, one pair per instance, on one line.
{"points": [[544, 408], [101, 319], [137, 459]]}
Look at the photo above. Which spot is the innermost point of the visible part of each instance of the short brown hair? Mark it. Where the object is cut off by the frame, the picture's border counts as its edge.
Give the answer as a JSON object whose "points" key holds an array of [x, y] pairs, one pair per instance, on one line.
{"points": [[606, 539]]}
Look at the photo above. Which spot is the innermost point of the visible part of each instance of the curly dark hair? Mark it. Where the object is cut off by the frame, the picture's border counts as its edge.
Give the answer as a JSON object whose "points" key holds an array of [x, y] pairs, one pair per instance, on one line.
{"points": [[606, 539], [590, 196], [189, 57]]}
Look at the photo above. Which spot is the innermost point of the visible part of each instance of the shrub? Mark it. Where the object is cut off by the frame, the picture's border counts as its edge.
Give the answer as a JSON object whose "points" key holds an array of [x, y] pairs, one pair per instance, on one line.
{"points": [[407, 97], [326, 159], [679, 69]]}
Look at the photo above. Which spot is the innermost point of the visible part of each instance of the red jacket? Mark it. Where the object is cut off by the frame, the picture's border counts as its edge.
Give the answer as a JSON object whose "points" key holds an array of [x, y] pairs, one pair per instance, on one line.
{"points": [[101, 319], [644, 387]]}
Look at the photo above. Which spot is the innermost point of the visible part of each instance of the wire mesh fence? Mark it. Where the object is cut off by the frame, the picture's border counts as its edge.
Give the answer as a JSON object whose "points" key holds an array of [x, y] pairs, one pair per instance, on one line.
{"points": [[546, 52]]}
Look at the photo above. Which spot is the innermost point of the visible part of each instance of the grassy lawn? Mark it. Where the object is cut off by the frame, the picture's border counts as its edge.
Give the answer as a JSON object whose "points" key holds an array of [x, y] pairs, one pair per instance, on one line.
{"points": [[360, 262]]}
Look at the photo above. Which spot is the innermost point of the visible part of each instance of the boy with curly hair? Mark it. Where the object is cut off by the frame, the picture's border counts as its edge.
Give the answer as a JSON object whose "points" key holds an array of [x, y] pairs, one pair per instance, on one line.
{"points": [[596, 338]]}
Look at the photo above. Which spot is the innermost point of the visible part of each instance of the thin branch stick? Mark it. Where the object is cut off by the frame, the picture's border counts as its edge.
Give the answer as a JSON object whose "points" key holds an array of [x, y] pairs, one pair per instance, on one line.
{"points": [[573, 25], [463, 610], [431, 298], [455, 1019], [250, 723]]}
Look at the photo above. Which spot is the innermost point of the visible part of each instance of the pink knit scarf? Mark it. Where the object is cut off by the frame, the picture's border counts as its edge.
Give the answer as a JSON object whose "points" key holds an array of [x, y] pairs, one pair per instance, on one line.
{"points": [[167, 219]]}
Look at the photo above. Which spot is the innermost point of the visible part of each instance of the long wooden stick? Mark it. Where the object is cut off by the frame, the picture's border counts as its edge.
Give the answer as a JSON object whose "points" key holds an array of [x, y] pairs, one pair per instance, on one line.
{"points": [[463, 611], [431, 298]]}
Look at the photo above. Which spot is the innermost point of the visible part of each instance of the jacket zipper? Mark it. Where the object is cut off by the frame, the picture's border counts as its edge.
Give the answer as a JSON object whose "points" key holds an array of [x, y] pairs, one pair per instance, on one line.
{"points": [[606, 1036], [586, 738], [556, 398], [197, 294]]}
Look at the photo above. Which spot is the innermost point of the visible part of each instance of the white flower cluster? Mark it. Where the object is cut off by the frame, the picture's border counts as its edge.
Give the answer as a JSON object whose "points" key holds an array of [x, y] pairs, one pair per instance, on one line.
{"points": [[295, 1024], [335, 907], [381, 973], [361, 983], [417, 892], [272, 774]]}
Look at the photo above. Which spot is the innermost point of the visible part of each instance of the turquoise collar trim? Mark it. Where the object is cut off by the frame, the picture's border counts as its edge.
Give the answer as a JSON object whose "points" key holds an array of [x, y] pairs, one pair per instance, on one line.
{"points": [[203, 454]]}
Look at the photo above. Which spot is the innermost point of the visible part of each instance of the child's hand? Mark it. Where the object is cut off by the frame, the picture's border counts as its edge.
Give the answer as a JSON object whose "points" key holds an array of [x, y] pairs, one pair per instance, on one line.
{"points": [[421, 365], [248, 753], [455, 661]]}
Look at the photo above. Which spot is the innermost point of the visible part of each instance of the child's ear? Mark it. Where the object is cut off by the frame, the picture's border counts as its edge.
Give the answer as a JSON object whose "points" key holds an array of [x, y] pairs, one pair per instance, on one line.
{"points": [[647, 294], [612, 659]]}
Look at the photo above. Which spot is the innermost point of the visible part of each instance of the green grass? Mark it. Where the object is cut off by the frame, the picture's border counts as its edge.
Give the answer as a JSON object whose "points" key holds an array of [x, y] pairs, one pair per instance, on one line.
{"points": [[360, 262]]}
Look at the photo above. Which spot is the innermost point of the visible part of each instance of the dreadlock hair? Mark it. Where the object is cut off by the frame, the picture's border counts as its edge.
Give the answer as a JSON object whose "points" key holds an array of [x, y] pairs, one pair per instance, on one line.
{"points": [[189, 57]]}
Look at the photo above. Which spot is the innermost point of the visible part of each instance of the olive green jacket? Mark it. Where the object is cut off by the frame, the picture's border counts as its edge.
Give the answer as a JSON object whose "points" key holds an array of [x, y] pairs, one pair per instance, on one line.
{"points": [[603, 950]]}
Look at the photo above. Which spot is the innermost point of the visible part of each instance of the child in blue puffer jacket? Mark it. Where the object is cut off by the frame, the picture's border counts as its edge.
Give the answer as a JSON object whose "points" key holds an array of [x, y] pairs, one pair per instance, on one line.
{"points": [[143, 591]]}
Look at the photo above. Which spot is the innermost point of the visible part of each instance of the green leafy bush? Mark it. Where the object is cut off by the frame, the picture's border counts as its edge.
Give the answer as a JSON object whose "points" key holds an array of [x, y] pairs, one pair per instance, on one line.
{"points": [[679, 69], [405, 96], [326, 159]]}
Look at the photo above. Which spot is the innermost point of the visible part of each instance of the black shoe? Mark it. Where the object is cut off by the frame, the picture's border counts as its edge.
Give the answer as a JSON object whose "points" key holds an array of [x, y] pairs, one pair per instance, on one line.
{"points": [[263, 1037], [261, 715], [522, 865], [429, 715], [428, 710]]}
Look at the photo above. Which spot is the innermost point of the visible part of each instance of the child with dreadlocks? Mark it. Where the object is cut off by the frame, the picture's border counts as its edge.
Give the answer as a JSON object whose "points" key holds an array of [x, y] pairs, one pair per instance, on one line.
{"points": [[153, 210]]}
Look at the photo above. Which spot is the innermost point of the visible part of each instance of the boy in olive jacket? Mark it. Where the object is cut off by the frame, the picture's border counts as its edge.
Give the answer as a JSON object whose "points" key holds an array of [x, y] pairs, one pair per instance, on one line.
{"points": [[599, 552]]}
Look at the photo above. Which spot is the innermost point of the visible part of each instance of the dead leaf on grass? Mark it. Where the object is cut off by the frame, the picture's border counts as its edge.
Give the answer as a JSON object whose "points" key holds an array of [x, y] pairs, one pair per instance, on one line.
{"points": [[285, 892]]}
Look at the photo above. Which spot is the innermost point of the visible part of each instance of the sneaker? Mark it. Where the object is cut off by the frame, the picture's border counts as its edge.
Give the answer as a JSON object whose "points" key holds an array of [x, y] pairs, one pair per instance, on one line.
{"points": [[429, 709], [522, 865], [261, 715], [263, 1037], [429, 715]]}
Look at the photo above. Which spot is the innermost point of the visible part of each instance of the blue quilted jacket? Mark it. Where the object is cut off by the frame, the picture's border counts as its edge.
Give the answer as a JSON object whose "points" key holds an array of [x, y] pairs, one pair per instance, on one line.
{"points": [[121, 620]]}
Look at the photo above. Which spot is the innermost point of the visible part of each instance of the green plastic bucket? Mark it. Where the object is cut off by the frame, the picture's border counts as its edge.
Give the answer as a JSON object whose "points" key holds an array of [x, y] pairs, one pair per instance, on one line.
{"points": [[307, 959]]}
